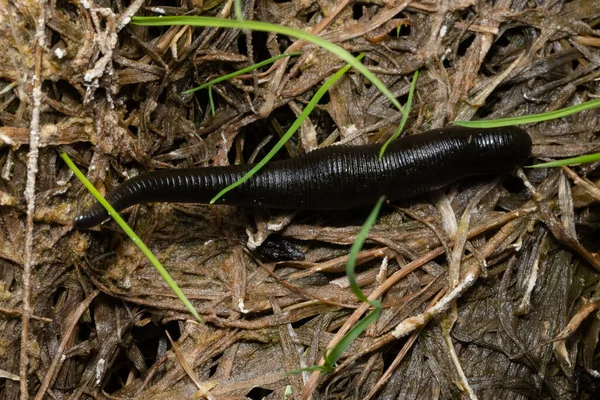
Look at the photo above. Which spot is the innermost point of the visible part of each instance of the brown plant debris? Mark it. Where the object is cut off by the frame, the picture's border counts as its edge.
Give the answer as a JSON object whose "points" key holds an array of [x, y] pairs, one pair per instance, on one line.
{"points": [[490, 287]]}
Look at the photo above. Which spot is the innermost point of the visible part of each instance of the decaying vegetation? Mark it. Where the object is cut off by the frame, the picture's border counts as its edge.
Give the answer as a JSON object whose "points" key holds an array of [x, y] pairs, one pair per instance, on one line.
{"points": [[476, 280]]}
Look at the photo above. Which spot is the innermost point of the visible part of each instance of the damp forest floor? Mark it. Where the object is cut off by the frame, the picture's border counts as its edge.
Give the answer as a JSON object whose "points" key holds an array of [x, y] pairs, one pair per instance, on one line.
{"points": [[490, 287]]}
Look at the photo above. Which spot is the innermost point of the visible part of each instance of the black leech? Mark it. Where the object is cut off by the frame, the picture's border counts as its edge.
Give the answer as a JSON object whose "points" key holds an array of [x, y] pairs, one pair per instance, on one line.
{"points": [[336, 177]]}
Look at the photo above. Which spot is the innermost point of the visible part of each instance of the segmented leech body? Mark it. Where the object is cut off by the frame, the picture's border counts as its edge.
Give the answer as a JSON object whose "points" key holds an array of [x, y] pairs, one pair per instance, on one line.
{"points": [[336, 177]]}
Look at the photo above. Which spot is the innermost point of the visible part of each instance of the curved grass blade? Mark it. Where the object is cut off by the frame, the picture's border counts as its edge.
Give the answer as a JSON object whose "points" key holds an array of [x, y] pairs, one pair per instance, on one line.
{"points": [[568, 161], [295, 125], [407, 106], [242, 71], [357, 245], [267, 27], [133, 236], [530, 119], [333, 355]]}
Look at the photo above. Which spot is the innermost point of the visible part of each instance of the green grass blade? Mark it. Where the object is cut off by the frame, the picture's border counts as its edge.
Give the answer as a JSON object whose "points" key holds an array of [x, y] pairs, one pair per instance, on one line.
{"points": [[133, 236], [267, 27], [242, 71], [211, 102], [357, 245], [530, 119], [568, 161], [239, 14], [333, 355], [295, 125], [407, 106]]}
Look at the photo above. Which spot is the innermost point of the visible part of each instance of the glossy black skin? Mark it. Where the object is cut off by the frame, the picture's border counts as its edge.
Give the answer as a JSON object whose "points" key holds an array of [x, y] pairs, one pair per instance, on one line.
{"points": [[336, 177]]}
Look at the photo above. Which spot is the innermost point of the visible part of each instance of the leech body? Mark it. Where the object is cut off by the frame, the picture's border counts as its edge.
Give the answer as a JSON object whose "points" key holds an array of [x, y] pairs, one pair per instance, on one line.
{"points": [[336, 177]]}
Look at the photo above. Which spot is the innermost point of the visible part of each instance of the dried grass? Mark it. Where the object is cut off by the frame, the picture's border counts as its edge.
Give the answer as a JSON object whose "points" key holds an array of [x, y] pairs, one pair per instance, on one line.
{"points": [[96, 313]]}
